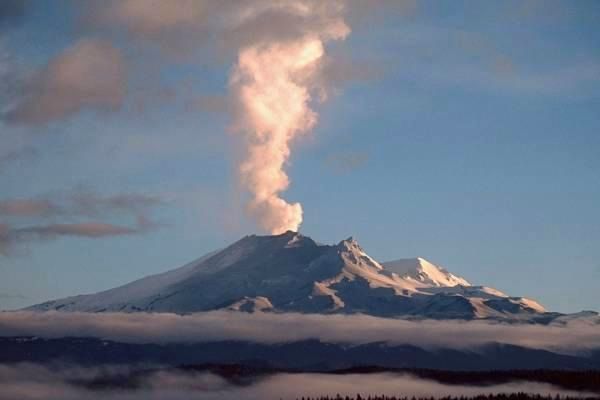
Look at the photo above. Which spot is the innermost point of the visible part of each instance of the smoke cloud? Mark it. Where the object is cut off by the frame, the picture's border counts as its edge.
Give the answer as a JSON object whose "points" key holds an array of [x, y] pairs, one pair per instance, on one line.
{"points": [[281, 69], [272, 86]]}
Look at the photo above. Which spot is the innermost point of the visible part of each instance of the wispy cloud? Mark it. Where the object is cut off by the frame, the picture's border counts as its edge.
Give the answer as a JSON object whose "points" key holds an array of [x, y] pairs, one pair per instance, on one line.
{"points": [[60, 216], [27, 207], [88, 75], [80, 202], [86, 229], [11, 236]]}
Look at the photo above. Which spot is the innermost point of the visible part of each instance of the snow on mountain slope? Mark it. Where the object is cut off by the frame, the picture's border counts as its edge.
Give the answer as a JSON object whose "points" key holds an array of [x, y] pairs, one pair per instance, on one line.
{"points": [[292, 273], [424, 273], [131, 292]]}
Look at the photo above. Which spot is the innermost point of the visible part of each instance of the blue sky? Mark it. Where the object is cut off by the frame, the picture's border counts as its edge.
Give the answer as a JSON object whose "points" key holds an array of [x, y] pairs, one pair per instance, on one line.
{"points": [[467, 133]]}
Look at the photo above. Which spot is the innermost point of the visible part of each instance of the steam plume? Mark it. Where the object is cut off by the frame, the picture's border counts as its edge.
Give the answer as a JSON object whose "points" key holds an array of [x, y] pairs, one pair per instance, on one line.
{"points": [[272, 84]]}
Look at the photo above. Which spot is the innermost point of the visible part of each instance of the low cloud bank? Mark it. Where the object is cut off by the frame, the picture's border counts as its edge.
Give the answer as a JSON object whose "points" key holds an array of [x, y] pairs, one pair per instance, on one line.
{"points": [[568, 337], [32, 382]]}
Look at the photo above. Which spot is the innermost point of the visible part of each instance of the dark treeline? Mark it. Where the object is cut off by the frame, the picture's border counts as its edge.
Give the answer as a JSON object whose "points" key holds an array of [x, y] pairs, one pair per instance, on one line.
{"points": [[508, 396]]}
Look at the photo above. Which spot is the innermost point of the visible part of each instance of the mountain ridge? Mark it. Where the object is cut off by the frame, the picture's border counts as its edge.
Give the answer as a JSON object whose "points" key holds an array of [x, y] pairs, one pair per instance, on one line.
{"points": [[291, 272]]}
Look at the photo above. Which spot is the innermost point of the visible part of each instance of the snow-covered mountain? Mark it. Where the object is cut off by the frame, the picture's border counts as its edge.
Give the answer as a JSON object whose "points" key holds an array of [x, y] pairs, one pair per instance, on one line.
{"points": [[292, 273]]}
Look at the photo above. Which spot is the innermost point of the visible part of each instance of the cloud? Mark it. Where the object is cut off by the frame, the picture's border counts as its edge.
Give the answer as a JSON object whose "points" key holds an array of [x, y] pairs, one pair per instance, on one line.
{"points": [[88, 75], [235, 24], [232, 24], [281, 51], [47, 212], [81, 202], [10, 236], [568, 337], [86, 229], [27, 207], [33, 381], [279, 47], [151, 20], [91, 74], [223, 28], [279, 76]]}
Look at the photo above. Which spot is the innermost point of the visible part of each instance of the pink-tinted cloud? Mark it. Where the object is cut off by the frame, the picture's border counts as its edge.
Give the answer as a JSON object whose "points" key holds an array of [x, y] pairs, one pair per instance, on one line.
{"points": [[27, 207], [88, 75]]}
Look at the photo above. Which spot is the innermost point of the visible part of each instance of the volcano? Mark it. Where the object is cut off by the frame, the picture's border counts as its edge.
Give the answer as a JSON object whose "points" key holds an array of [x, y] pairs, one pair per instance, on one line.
{"points": [[293, 273]]}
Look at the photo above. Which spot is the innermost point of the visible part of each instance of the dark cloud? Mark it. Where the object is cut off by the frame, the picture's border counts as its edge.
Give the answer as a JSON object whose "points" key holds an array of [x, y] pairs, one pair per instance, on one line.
{"points": [[86, 229], [568, 336], [10, 236], [88, 75]]}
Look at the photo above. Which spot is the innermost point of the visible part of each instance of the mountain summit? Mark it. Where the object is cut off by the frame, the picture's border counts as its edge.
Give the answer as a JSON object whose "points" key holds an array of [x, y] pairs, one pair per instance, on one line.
{"points": [[293, 273]]}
